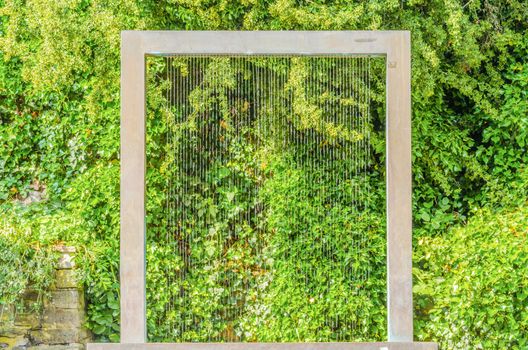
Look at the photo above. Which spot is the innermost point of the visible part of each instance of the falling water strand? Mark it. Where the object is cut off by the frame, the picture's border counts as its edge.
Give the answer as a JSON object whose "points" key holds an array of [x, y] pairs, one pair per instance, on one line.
{"points": [[176, 188], [220, 111], [365, 164], [171, 153], [352, 177], [169, 179], [368, 147], [344, 323], [339, 178]]}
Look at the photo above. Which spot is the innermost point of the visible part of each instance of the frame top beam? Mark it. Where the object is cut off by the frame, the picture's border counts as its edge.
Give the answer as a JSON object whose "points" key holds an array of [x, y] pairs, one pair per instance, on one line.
{"points": [[263, 42]]}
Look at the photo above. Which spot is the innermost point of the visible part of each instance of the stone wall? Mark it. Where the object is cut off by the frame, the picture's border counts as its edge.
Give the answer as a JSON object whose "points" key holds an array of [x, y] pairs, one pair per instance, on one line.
{"points": [[59, 326]]}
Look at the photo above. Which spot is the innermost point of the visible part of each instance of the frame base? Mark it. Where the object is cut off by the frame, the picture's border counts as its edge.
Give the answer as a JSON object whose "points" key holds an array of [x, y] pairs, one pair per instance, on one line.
{"points": [[266, 346]]}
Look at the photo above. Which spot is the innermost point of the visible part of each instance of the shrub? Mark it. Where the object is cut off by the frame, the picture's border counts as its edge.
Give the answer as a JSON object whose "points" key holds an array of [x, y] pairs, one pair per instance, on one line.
{"points": [[470, 284]]}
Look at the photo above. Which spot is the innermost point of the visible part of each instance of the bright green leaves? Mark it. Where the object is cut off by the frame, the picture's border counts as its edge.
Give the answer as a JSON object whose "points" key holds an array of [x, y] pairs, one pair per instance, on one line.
{"points": [[218, 77], [308, 105], [470, 285], [24, 262], [308, 113], [103, 315], [503, 149], [256, 205], [321, 253]]}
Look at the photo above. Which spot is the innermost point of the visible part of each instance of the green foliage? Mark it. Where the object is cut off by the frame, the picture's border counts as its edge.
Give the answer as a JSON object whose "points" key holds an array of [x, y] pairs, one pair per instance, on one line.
{"points": [[504, 146], [59, 125], [100, 278], [297, 206], [27, 261], [471, 286], [244, 221], [93, 202]]}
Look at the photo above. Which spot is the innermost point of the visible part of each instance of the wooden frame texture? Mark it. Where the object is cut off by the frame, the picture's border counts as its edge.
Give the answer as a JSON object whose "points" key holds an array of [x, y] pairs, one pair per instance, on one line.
{"points": [[394, 45]]}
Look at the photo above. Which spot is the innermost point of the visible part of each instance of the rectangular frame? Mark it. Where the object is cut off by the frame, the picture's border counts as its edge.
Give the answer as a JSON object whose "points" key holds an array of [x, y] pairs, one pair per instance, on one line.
{"points": [[137, 45]]}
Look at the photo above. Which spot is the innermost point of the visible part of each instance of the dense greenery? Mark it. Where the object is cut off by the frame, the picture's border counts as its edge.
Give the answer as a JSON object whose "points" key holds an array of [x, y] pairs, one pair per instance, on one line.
{"points": [[263, 232], [27, 260], [59, 132], [473, 283]]}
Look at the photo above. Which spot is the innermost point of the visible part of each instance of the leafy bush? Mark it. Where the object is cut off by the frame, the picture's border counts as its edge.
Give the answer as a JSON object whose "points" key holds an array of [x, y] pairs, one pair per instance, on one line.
{"points": [[27, 261], [471, 286]]}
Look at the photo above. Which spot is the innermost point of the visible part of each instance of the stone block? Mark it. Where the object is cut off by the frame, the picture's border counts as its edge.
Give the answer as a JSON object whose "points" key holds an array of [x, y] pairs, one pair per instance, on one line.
{"points": [[22, 344], [65, 279], [27, 320], [54, 317], [66, 299], [12, 331], [57, 347], [8, 342], [16, 343], [55, 336], [66, 262], [59, 326]]}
